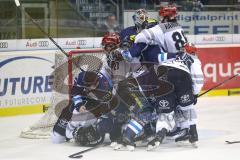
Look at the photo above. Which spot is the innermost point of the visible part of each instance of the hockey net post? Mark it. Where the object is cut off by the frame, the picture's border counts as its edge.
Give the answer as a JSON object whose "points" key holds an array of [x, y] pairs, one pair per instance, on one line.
{"points": [[65, 69]]}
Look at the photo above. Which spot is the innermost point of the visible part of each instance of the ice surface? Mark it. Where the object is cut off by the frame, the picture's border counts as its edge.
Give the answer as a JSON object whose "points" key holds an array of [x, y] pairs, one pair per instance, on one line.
{"points": [[219, 120]]}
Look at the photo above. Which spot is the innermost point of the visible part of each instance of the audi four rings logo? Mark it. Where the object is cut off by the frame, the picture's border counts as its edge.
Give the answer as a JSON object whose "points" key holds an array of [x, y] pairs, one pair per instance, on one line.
{"points": [[220, 38], [3, 44], [81, 42], [163, 103], [43, 44]]}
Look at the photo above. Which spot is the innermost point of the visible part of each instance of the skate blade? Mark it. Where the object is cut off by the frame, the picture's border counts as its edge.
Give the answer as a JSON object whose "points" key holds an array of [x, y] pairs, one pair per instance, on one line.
{"points": [[130, 148], [113, 144], [186, 144], [194, 145], [153, 147], [120, 147]]}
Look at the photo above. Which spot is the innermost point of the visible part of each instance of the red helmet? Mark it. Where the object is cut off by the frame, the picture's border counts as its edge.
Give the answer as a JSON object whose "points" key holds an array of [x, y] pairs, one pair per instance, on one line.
{"points": [[190, 48], [110, 41], [168, 11]]}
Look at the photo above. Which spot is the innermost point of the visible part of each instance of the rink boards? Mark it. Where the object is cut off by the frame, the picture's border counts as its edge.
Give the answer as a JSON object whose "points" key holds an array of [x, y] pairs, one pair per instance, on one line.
{"points": [[26, 76]]}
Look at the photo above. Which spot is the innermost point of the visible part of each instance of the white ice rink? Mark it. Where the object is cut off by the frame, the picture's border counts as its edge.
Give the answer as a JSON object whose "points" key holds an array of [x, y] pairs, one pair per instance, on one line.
{"points": [[219, 120]]}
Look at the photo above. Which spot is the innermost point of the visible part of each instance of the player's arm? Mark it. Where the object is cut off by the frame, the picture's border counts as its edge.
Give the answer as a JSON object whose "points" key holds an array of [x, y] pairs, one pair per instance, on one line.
{"points": [[77, 94], [197, 76], [151, 36]]}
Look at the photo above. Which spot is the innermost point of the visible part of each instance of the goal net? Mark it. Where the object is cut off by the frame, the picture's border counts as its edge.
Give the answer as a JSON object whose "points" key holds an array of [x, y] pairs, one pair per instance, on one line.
{"points": [[65, 70]]}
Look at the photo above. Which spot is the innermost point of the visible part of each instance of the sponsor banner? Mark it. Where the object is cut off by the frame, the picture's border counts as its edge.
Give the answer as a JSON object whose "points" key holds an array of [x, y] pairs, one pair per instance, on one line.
{"points": [[214, 38], [26, 78], [217, 22], [76, 43], [34, 44], [83, 43], [6, 45], [218, 64], [46, 44]]}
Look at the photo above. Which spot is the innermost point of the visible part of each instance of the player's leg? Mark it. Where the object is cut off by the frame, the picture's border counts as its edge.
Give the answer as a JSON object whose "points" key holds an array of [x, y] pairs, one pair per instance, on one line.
{"points": [[58, 134], [120, 117], [185, 113], [165, 106]]}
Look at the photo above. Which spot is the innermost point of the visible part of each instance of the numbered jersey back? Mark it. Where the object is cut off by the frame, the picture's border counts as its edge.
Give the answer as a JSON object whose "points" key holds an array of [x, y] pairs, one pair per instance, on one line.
{"points": [[174, 37]]}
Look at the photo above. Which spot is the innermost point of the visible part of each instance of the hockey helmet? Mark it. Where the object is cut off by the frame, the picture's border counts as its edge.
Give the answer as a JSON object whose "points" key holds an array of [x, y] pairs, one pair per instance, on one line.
{"points": [[87, 136], [110, 41], [90, 79], [168, 12], [140, 17]]}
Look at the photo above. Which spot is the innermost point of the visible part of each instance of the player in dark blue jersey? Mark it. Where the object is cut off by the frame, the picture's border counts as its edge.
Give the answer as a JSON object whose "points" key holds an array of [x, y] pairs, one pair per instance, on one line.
{"points": [[92, 98], [127, 37]]}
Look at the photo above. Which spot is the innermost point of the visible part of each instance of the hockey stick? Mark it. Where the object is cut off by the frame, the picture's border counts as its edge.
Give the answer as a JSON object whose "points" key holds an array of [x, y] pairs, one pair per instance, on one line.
{"points": [[79, 154], [43, 32], [232, 142], [221, 83], [37, 25]]}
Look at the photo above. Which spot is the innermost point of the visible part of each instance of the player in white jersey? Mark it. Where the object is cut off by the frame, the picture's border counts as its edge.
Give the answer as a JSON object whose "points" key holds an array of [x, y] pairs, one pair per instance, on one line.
{"points": [[185, 73], [168, 34]]}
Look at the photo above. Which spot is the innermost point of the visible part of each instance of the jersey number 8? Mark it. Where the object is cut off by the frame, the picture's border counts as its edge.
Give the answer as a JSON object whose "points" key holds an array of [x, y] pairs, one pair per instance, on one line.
{"points": [[179, 39]]}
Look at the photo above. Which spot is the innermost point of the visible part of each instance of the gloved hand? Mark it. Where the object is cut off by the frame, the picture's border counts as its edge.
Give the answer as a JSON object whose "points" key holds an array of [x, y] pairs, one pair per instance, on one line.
{"points": [[117, 56]]}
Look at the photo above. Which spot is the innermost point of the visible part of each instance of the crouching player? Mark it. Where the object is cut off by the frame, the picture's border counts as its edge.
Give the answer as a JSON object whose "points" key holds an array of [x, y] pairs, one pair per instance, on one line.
{"points": [[92, 101]]}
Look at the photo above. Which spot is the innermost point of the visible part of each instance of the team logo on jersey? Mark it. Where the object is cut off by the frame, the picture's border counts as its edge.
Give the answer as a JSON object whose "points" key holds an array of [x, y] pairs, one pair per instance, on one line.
{"points": [[185, 98], [163, 103], [63, 123]]}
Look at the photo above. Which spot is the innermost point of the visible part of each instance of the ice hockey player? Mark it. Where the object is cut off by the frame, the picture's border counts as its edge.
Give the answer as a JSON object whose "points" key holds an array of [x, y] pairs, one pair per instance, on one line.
{"points": [[186, 75], [91, 98], [141, 21], [127, 36]]}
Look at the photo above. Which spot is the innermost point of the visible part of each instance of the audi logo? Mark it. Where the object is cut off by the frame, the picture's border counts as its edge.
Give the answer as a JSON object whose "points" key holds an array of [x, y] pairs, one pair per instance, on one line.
{"points": [[3, 44], [82, 42], [220, 38], [43, 44]]}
